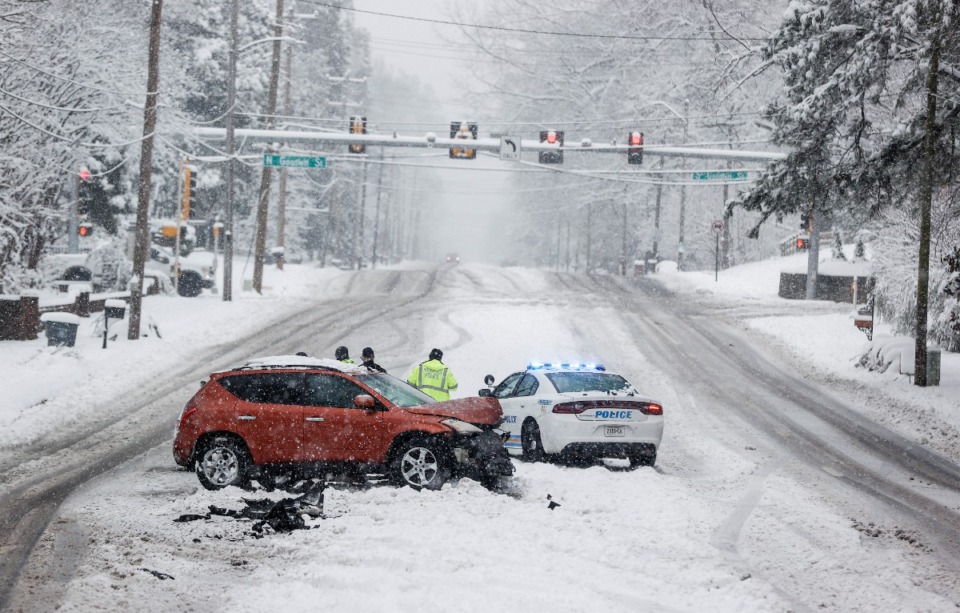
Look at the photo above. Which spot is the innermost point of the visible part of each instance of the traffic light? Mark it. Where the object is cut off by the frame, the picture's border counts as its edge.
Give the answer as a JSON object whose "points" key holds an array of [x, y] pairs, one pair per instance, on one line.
{"points": [[805, 219], [84, 192], [552, 137], [85, 229], [189, 190], [466, 130], [635, 152], [803, 243], [358, 125]]}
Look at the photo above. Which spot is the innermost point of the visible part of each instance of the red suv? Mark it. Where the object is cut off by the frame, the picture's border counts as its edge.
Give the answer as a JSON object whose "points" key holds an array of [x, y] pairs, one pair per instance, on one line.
{"points": [[286, 418]]}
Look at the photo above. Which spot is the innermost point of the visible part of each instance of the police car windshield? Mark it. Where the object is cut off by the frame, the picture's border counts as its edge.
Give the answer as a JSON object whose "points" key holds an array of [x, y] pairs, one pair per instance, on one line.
{"points": [[567, 382], [396, 391]]}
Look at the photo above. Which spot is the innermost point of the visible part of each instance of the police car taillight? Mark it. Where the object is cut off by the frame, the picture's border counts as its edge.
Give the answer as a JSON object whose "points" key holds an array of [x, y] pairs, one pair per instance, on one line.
{"points": [[575, 408], [652, 409]]}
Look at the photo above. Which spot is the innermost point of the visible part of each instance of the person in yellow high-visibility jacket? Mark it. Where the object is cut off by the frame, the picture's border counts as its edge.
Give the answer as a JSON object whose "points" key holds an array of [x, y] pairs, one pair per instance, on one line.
{"points": [[433, 378]]}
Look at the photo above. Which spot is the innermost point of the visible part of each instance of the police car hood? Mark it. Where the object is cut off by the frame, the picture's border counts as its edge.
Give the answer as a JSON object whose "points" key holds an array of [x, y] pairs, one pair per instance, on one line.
{"points": [[477, 410]]}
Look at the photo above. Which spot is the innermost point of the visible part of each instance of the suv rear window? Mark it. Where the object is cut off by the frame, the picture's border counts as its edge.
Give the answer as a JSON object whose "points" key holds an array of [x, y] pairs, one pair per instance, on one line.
{"points": [[266, 388], [567, 382]]}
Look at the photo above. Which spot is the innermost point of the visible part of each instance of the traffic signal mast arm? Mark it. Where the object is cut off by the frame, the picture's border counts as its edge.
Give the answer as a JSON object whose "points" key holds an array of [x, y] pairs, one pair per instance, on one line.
{"points": [[482, 144]]}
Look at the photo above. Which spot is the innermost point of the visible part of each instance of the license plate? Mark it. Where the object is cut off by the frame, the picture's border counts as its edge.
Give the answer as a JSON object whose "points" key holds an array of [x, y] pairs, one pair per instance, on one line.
{"points": [[613, 431]]}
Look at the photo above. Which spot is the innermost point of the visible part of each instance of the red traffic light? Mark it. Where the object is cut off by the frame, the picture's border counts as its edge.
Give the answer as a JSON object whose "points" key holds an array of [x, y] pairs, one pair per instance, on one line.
{"points": [[84, 174], [803, 243], [552, 138], [85, 229], [635, 152]]}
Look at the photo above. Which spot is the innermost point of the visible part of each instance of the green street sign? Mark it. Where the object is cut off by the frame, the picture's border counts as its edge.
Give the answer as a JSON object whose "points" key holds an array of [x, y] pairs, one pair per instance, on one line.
{"points": [[720, 175], [294, 161]]}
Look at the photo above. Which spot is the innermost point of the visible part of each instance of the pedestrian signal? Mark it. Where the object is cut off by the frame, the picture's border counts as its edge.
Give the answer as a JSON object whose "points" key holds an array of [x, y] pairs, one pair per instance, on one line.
{"points": [[358, 125], [466, 130]]}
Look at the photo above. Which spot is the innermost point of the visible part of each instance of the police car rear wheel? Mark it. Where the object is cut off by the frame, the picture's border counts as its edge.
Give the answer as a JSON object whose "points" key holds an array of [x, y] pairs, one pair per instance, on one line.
{"points": [[531, 443]]}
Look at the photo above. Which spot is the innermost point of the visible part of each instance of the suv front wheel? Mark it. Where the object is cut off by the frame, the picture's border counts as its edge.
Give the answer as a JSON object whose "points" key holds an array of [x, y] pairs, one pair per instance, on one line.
{"points": [[421, 464], [223, 461]]}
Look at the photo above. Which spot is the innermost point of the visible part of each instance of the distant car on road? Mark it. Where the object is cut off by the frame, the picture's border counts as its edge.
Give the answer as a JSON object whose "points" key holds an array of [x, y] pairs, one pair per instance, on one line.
{"points": [[578, 412], [282, 419], [453, 258]]}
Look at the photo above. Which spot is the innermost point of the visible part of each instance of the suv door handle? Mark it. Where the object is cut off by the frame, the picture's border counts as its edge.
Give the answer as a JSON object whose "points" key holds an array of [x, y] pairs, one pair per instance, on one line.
{"points": [[314, 419], [246, 417]]}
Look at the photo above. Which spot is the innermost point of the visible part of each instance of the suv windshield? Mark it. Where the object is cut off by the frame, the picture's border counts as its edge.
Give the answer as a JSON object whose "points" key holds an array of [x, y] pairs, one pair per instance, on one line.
{"points": [[396, 391], [567, 382]]}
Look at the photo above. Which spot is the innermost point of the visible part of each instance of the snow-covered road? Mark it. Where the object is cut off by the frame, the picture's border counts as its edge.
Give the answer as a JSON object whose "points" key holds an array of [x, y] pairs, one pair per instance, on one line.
{"points": [[771, 492]]}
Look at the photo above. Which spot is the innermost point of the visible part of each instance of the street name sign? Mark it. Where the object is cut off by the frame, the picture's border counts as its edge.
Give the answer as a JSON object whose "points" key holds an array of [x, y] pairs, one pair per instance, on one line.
{"points": [[294, 161], [720, 175]]}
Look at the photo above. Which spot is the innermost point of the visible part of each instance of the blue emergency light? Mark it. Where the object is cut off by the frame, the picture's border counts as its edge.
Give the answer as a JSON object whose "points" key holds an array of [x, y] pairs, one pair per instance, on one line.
{"points": [[565, 365]]}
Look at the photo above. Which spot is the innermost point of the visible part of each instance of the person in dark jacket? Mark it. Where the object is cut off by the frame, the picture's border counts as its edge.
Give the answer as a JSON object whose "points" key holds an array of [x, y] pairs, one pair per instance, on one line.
{"points": [[367, 356], [343, 355]]}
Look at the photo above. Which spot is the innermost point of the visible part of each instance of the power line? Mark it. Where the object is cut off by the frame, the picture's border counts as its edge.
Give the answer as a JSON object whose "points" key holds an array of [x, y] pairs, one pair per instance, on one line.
{"points": [[518, 30]]}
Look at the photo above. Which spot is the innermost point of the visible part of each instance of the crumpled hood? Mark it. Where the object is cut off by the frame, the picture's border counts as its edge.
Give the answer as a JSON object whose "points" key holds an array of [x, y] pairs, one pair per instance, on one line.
{"points": [[476, 410]]}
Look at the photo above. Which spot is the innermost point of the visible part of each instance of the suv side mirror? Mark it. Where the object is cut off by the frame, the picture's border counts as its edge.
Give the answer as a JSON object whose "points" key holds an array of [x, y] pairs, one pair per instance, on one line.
{"points": [[365, 402], [488, 380], [486, 392]]}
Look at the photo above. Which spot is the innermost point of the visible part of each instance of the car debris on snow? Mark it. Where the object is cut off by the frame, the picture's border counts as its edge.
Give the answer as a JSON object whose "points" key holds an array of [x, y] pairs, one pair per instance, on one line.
{"points": [[284, 515]]}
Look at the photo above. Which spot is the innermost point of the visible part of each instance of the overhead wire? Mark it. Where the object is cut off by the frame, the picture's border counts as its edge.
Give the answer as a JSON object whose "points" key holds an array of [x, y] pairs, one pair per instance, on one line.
{"points": [[702, 37]]}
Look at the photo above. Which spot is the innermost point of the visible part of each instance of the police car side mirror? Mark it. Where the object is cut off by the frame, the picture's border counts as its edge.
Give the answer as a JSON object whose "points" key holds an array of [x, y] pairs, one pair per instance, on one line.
{"points": [[485, 392], [488, 380]]}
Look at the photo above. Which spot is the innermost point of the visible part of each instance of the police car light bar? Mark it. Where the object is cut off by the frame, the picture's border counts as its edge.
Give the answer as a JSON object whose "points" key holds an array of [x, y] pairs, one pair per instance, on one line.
{"points": [[557, 365]]}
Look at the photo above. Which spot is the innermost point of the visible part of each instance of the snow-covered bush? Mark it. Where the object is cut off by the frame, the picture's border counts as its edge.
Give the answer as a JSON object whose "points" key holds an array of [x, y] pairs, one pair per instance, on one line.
{"points": [[895, 254]]}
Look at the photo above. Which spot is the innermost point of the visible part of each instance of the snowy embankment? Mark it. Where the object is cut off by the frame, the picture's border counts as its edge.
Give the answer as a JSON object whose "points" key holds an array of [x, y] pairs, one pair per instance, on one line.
{"points": [[828, 348], [46, 390]]}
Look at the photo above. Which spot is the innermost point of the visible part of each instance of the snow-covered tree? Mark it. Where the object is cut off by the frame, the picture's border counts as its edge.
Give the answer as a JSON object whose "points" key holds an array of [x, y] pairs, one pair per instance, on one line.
{"points": [[854, 113]]}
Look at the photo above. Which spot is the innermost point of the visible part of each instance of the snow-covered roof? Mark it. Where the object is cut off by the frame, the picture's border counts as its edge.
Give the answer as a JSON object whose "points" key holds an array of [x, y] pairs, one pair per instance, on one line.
{"points": [[300, 361]]}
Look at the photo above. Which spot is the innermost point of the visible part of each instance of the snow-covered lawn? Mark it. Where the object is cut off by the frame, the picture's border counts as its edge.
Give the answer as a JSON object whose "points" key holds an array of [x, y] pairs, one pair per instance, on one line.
{"points": [[830, 346]]}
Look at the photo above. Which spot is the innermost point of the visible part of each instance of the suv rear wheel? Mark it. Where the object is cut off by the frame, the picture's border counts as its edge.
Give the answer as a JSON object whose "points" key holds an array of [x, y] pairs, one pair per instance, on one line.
{"points": [[421, 464], [223, 461]]}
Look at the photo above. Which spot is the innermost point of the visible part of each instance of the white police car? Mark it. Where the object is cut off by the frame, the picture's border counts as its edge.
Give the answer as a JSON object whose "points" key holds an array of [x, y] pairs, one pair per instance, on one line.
{"points": [[578, 412]]}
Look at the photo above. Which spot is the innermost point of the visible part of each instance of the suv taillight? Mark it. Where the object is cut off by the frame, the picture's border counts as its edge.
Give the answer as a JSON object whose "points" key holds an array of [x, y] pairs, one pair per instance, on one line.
{"points": [[575, 408]]}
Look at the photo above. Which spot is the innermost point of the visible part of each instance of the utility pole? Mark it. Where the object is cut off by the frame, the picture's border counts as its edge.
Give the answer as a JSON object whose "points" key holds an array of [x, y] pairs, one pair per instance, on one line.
{"points": [[356, 257], [282, 202], [656, 217], [73, 215], [566, 265], [142, 245], [376, 215], [623, 242], [926, 198], [586, 256], [683, 188], [813, 253], [266, 175], [231, 162]]}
